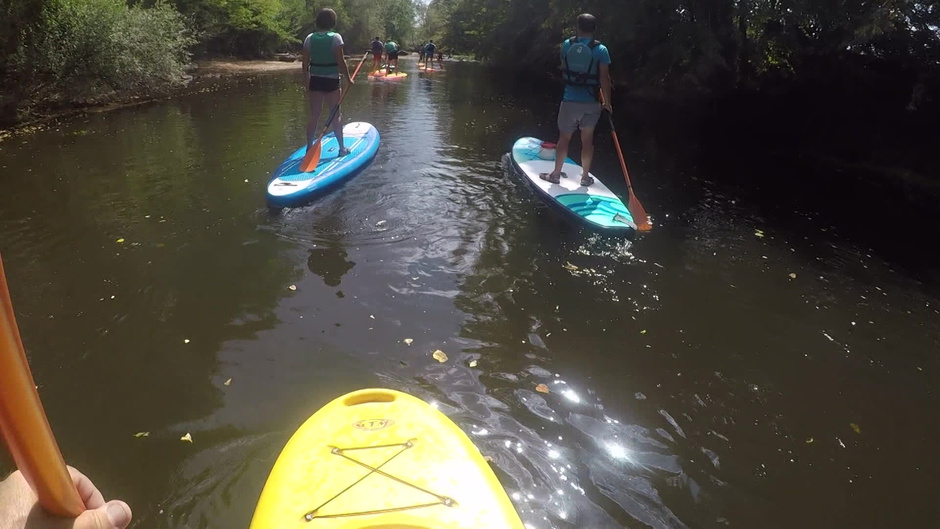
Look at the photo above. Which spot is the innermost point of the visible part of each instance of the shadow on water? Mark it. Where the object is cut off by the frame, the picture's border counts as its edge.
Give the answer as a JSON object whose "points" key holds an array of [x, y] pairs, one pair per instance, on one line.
{"points": [[733, 368]]}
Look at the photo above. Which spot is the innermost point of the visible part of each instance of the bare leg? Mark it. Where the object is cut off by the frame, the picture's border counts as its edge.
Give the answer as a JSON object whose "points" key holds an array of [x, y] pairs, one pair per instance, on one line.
{"points": [[316, 104], [587, 153], [331, 100], [561, 151]]}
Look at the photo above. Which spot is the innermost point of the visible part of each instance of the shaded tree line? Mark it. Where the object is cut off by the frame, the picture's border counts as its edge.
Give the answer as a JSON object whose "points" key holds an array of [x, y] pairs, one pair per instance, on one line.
{"points": [[707, 45]]}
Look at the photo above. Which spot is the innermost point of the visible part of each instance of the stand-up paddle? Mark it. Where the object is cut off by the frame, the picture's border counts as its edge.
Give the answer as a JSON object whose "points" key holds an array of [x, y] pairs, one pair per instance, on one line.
{"points": [[639, 215], [312, 158], [23, 422]]}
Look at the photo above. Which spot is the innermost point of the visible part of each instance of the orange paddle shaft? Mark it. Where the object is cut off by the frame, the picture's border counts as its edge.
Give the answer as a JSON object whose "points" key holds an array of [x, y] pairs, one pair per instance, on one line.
{"points": [[23, 422], [342, 96], [312, 157], [637, 211]]}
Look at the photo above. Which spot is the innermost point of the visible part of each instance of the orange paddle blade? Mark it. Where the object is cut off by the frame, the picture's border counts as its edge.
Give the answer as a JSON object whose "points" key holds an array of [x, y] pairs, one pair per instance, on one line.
{"points": [[639, 215], [23, 422], [312, 158], [637, 211]]}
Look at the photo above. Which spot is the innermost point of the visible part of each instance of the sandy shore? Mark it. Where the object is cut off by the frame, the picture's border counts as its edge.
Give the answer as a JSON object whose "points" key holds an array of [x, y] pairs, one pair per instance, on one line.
{"points": [[236, 67]]}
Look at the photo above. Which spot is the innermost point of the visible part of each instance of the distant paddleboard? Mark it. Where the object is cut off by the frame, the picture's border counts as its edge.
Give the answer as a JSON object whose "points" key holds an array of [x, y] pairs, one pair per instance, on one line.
{"points": [[290, 187], [383, 76], [594, 205]]}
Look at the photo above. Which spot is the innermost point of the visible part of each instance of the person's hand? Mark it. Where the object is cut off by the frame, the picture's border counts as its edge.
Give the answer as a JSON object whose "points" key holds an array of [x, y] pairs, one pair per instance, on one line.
{"points": [[608, 108], [20, 509], [351, 81]]}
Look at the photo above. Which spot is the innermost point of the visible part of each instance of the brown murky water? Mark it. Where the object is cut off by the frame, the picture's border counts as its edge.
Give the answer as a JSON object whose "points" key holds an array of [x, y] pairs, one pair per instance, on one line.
{"points": [[694, 382]]}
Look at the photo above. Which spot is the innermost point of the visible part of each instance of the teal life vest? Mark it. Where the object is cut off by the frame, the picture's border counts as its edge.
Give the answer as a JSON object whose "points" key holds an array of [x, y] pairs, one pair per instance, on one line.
{"points": [[322, 58], [580, 67]]}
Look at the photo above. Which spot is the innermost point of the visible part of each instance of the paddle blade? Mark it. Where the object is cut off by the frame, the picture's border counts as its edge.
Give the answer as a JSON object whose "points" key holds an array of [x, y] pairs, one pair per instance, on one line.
{"points": [[312, 158], [639, 215], [23, 422]]}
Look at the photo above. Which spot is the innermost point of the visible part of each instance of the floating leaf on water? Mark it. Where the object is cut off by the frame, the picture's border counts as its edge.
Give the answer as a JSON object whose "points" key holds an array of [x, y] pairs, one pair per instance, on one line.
{"points": [[185, 340], [440, 356], [643, 331], [855, 428], [569, 266], [292, 287], [759, 233], [541, 388], [792, 275], [809, 441], [380, 223], [120, 240], [473, 363], [142, 434], [372, 316], [227, 382], [407, 341], [188, 438]]}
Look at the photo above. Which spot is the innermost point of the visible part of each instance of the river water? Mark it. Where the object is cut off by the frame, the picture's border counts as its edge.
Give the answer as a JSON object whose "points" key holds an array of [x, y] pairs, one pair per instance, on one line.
{"points": [[730, 369]]}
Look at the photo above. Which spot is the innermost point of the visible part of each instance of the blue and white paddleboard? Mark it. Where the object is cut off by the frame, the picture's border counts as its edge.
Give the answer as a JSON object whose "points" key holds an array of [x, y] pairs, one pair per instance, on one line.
{"points": [[290, 187], [594, 205]]}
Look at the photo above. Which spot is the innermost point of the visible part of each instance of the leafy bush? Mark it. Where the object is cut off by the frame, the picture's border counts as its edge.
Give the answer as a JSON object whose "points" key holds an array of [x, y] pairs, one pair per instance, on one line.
{"points": [[82, 49]]}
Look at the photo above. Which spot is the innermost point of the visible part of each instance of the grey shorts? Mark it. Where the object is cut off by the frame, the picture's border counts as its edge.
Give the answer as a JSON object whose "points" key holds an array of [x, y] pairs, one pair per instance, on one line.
{"points": [[574, 115]]}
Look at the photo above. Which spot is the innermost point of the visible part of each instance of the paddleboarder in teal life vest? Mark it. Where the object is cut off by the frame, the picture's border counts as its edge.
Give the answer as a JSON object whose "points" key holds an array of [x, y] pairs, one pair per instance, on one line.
{"points": [[391, 52], [585, 65], [20, 509], [377, 48], [322, 62]]}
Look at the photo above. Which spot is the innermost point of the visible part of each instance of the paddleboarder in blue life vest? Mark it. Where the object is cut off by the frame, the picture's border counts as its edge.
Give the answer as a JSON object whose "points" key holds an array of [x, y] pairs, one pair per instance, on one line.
{"points": [[323, 60], [377, 48], [585, 65]]}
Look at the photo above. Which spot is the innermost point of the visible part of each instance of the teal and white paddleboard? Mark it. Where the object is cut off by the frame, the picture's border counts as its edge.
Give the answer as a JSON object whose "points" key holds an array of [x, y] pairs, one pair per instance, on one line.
{"points": [[594, 205]]}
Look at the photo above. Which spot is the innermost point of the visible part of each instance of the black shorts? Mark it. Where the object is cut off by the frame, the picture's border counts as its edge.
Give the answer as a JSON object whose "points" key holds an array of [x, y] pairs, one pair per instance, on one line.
{"points": [[393, 55], [323, 84]]}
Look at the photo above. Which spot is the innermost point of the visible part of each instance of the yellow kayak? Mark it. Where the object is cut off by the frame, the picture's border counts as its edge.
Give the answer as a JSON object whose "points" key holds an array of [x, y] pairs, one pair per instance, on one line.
{"points": [[381, 459]]}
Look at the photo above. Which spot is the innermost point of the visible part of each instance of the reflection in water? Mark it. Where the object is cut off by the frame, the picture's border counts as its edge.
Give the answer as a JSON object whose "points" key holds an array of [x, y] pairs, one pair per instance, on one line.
{"points": [[330, 263], [692, 380]]}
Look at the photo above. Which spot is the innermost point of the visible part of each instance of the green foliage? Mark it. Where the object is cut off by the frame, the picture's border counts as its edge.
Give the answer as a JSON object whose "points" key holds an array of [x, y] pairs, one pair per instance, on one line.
{"points": [[255, 28], [71, 50]]}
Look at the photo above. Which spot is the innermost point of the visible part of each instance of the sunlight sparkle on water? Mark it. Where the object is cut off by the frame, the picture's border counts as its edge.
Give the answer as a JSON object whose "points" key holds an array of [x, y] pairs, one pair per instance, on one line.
{"points": [[572, 396], [617, 451]]}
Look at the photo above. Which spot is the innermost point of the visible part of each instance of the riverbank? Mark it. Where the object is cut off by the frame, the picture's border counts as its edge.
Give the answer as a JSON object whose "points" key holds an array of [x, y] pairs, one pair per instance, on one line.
{"points": [[197, 77]]}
